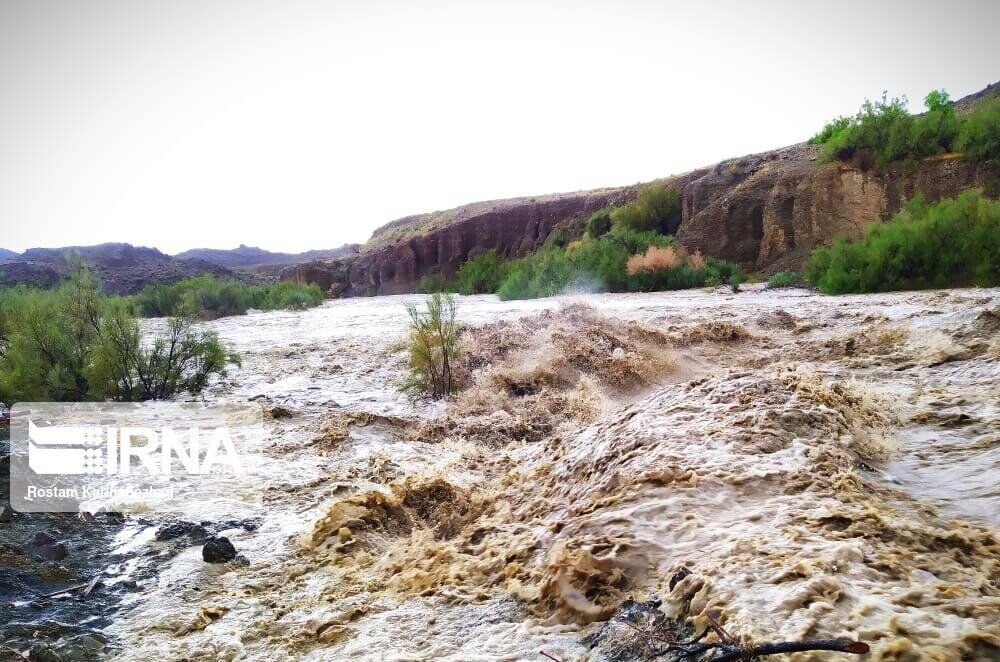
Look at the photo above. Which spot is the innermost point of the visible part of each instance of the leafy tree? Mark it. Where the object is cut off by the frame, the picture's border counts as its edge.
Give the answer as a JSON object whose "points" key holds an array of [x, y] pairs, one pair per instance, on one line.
{"points": [[884, 132], [209, 297], [831, 129], [979, 134], [73, 344], [657, 207]]}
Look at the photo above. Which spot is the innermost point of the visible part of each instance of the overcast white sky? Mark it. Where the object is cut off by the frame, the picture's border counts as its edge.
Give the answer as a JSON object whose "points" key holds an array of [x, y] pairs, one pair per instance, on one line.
{"points": [[301, 124]]}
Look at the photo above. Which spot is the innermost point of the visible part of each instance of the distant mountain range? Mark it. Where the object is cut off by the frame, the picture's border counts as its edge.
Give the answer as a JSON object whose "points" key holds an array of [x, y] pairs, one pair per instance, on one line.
{"points": [[126, 269], [251, 256]]}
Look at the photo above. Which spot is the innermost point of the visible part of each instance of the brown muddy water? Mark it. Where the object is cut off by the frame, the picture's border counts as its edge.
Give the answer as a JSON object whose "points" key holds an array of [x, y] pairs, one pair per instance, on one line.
{"points": [[818, 467]]}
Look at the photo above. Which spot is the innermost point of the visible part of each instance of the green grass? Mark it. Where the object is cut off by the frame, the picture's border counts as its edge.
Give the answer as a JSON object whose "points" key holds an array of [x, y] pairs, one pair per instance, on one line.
{"points": [[953, 242]]}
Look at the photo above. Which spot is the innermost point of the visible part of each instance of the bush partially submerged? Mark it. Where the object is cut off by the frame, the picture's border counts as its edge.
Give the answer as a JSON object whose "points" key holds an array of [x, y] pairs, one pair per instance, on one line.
{"points": [[74, 344], [784, 279], [482, 274], [433, 347], [953, 242], [209, 297]]}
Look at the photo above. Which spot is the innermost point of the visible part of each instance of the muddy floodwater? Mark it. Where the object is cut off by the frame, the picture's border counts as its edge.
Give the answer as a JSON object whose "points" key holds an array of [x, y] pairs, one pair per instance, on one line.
{"points": [[800, 466]]}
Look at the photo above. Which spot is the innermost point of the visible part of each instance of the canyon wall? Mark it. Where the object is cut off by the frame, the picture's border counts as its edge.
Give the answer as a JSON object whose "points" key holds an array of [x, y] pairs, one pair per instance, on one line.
{"points": [[766, 211]]}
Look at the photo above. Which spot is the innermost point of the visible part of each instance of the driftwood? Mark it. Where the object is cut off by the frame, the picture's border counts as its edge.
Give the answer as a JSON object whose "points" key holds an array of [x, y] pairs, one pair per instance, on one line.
{"points": [[729, 648], [661, 642]]}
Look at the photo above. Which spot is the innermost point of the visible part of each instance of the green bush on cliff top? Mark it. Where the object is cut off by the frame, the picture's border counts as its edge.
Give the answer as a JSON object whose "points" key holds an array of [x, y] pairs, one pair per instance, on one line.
{"points": [[884, 132], [953, 242]]}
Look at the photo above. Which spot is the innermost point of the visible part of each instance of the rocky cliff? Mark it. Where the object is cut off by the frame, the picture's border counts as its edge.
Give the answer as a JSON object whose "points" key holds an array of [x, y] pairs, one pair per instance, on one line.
{"points": [[766, 211], [401, 253]]}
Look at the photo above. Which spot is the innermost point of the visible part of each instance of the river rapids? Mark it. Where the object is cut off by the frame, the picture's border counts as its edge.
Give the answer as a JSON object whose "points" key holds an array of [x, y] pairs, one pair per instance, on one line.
{"points": [[798, 466]]}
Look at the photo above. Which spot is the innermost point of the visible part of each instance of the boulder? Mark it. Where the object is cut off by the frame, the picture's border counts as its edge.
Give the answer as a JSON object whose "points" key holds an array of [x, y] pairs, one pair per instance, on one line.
{"points": [[218, 550]]}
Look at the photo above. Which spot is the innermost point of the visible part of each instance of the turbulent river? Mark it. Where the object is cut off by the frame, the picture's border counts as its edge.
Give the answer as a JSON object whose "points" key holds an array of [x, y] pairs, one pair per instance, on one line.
{"points": [[800, 466]]}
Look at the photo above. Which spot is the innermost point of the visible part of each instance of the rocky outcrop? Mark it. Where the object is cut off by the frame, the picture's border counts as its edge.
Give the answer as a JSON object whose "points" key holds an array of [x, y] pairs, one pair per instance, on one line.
{"points": [[768, 211], [403, 252]]}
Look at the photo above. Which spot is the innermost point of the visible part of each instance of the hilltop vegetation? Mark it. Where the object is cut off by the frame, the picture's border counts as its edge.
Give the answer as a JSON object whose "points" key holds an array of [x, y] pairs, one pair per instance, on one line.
{"points": [[884, 132]]}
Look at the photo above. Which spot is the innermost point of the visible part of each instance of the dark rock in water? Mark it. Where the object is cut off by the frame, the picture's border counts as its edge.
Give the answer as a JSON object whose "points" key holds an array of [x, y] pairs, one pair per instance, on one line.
{"points": [[279, 412], [249, 524], [45, 546], [218, 550], [174, 530], [621, 639], [56, 552], [40, 538], [6, 514]]}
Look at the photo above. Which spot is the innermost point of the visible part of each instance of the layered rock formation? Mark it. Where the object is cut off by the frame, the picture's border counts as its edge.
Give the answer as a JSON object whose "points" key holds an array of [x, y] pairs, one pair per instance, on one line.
{"points": [[768, 211], [404, 251]]}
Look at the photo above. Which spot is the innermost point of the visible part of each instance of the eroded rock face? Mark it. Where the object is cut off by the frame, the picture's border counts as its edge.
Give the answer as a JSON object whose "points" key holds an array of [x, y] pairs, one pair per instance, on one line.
{"points": [[768, 211], [511, 227]]}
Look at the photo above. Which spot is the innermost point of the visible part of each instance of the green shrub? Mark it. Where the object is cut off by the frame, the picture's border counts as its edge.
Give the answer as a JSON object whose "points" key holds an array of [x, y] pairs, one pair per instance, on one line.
{"points": [[209, 297], [657, 207], [953, 242], [832, 128], [599, 223], [73, 344], [784, 279], [979, 135], [432, 283], [482, 274], [433, 347], [884, 132], [603, 265]]}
